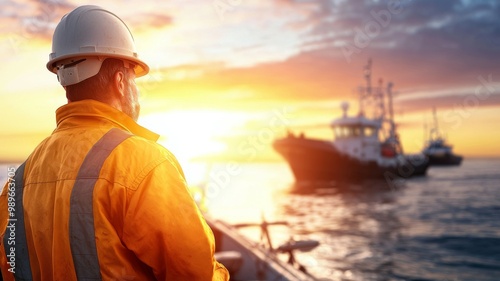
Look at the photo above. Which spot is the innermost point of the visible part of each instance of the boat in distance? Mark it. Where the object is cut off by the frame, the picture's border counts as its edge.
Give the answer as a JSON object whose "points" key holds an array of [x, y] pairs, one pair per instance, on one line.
{"points": [[365, 146], [439, 152]]}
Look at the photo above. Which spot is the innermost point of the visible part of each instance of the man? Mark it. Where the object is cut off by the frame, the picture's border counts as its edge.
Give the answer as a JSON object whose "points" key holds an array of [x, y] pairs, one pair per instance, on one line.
{"points": [[99, 199]]}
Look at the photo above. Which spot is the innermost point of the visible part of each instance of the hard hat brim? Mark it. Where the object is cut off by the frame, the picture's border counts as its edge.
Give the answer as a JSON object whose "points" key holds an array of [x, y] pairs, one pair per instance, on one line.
{"points": [[140, 69]]}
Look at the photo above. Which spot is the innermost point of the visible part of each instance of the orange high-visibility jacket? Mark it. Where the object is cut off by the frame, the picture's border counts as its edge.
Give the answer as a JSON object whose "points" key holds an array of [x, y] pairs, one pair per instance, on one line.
{"points": [[146, 225]]}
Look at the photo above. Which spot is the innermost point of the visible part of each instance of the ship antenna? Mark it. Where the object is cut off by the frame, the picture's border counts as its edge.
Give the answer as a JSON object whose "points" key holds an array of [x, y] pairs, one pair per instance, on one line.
{"points": [[368, 74], [380, 96], [391, 110], [393, 133], [392, 129], [425, 131], [436, 128]]}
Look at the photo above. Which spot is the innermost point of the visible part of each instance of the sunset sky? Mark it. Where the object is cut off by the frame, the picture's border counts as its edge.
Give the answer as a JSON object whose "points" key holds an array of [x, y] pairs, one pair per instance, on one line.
{"points": [[229, 76]]}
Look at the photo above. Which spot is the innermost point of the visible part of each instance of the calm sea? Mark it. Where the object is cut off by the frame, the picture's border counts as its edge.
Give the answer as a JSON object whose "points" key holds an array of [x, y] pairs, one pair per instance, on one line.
{"points": [[445, 226]]}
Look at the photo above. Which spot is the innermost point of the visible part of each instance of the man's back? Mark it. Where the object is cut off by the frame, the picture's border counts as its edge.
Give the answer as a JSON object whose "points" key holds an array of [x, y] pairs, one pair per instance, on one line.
{"points": [[146, 225]]}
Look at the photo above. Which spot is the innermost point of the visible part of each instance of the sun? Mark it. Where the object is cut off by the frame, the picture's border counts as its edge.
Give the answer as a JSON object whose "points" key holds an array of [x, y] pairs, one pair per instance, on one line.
{"points": [[191, 134]]}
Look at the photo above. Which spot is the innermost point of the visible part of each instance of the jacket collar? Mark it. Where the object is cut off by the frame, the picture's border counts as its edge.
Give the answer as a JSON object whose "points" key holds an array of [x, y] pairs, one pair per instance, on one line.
{"points": [[94, 113]]}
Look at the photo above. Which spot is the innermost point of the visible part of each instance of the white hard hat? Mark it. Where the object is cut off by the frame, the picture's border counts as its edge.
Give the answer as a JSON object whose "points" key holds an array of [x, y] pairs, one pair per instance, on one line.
{"points": [[84, 38]]}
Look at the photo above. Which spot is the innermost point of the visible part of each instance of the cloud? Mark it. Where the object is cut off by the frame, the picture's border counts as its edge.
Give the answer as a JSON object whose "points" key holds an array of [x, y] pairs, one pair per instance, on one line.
{"points": [[149, 20], [424, 25], [38, 18], [428, 46], [323, 75], [458, 103], [33, 19], [303, 77]]}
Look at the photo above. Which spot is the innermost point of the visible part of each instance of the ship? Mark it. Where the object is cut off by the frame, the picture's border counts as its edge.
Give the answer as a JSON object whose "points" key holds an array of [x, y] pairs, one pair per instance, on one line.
{"points": [[365, 146], [439, 152]]}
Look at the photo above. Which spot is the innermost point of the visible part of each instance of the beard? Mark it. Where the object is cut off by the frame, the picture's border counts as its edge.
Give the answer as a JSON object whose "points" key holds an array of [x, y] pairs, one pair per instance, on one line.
{"points": [[130, 101]]}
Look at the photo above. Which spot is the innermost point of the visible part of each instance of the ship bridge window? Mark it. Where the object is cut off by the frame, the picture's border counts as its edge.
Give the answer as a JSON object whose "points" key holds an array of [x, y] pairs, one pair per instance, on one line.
{"points": [[354, 131], [348, 131], [369, 131], [340, 132]]}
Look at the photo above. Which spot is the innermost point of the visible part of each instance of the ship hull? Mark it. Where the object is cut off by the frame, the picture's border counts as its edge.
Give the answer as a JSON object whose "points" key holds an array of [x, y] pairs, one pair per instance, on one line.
{"points": [[318, 160], [445, 160]]}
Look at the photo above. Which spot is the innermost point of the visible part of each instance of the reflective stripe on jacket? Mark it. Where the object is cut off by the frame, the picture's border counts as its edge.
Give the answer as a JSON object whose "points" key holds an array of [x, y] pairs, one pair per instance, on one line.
{"points": [[146, 225]]}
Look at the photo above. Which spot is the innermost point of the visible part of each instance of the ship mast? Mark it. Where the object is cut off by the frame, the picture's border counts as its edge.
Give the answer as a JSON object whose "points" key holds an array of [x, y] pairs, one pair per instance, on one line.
{"points": [[393, 137], [434, 133], [380, 96], [368, 78], [392, 132], [391, 110], [435, 130], [425, 131]]}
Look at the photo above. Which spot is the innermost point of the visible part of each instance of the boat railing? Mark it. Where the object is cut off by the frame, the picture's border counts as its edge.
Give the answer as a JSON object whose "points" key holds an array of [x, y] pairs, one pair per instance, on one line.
{"points": [[288, 247]]}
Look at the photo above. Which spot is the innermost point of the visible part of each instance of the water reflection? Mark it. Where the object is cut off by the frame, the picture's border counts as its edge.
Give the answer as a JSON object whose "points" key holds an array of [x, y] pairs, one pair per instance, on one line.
{"points": [[356, 224], [360, 186]]}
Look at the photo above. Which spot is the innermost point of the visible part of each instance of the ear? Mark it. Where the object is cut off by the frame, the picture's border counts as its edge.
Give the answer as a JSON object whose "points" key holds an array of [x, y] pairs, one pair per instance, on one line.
{"points": [[119, 83]]}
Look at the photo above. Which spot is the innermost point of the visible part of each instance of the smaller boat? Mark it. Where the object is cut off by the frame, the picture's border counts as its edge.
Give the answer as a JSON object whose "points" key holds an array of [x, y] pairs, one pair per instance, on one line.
{"points": [[249, 260], [437, 150]]}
